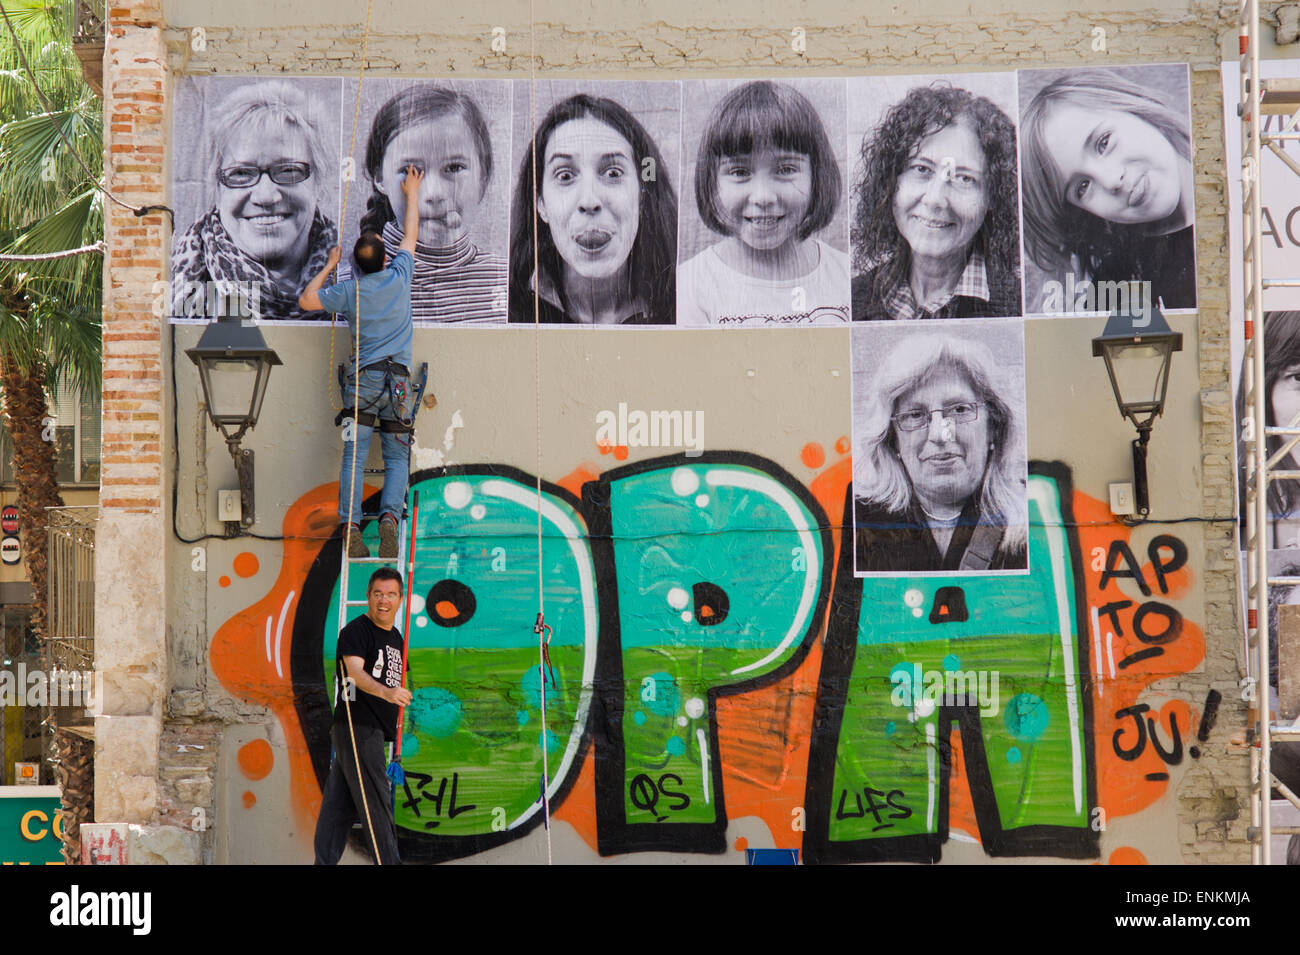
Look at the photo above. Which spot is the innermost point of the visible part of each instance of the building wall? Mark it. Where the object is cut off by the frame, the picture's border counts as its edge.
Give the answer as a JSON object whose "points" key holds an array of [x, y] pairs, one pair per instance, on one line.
{"points": [[235, 761]]}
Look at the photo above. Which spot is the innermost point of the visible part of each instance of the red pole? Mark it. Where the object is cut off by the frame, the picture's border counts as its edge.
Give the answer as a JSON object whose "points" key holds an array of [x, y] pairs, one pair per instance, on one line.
{"points": [[406, 622]]}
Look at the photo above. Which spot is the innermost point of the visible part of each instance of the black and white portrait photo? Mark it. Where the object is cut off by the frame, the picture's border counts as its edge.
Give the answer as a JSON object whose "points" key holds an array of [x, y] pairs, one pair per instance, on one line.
{"points": [[939, 451], [257, 199], [457, 132], [1108, 191], [765, 241], [935, 225], [1281, 410], [594, 204]]}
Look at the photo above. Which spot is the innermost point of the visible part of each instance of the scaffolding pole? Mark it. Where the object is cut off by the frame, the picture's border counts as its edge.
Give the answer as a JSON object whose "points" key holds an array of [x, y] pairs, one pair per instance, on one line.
{"points": [[1259, 98]]}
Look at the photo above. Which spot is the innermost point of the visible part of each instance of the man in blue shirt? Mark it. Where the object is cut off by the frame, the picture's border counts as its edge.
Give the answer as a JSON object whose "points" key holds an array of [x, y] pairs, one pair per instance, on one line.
{"points": [[383, 390]]}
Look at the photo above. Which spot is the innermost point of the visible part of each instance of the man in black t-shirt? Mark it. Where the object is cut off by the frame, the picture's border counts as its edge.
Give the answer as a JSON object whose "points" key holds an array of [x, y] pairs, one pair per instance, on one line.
{"points": [[371, 650]]}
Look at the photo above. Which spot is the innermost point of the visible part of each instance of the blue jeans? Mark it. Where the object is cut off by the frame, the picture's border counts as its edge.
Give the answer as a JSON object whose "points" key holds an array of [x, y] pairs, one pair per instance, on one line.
{"points": [[378, 394]]}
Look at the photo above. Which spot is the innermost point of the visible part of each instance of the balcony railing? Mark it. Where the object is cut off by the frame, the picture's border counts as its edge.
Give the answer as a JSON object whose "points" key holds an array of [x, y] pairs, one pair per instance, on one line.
{"points": [[88, 25], [88, 41], [70, 639]]}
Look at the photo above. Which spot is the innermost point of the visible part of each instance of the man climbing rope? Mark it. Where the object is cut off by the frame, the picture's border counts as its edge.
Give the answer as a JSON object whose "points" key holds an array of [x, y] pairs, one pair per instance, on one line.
{"points": [[378, 387], [366, 709]]}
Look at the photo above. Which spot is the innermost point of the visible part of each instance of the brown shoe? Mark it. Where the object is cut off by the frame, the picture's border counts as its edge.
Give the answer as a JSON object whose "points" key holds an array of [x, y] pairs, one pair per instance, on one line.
{"points": [[387, 539], [356, 546]]}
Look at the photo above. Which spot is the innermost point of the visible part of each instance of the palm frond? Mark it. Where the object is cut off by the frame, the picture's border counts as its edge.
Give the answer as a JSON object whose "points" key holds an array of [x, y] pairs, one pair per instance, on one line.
{"points": [[30, 153], [75, 280], [50, 310], [70, 345]]}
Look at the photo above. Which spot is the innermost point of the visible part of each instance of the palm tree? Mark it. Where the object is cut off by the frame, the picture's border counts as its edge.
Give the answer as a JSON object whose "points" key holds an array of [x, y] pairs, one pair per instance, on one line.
{"points": [[49, 310]]}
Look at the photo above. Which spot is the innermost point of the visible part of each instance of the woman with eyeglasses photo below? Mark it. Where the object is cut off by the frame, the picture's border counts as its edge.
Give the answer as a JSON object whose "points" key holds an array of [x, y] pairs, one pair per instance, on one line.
{"points": [[939, 462], [265, 229]]}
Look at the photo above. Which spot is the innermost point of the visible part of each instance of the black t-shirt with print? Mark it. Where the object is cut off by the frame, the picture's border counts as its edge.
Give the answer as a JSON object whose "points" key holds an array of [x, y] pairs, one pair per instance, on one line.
{"points": [[382, 652]]}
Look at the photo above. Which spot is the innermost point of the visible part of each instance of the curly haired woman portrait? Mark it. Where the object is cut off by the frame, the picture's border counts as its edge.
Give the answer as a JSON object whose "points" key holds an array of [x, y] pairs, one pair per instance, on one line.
{"points": [[935, 229]]}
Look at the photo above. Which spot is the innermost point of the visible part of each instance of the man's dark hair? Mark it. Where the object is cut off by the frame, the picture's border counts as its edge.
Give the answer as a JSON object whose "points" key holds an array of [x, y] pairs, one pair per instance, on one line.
{"points": [[386, 573], [369, 252]]}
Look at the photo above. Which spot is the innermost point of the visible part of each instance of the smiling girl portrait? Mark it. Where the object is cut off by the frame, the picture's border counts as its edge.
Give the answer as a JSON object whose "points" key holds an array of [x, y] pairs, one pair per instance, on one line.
{"points": [[769, 196], [1106, 161]]}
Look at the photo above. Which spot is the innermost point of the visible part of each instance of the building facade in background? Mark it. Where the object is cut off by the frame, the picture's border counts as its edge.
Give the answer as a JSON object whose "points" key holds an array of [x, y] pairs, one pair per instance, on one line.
{"points": [[74, 421]]}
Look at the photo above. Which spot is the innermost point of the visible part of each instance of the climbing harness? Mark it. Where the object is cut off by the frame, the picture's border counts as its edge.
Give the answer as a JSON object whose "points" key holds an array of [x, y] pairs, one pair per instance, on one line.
{"points": [[397, 385]]}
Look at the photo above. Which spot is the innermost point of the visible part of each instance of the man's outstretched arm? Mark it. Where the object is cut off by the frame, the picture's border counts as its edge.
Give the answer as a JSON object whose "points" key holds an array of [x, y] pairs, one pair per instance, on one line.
{"points": [[309, 301], [411, 222]]}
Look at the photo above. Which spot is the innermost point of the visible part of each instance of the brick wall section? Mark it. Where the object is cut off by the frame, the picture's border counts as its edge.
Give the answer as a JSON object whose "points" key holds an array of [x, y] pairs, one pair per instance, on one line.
{"points": [[131, 650], [1212, 797], [134, 101]]}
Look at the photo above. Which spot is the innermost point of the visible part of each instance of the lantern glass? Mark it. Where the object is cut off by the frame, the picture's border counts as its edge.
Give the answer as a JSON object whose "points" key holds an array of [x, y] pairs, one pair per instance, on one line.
{"points": [[232, 388], [1139, 371]]}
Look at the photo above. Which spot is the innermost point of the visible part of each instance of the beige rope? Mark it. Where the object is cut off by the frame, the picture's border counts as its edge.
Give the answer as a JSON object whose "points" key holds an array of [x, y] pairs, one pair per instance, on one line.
{"points": [[356, 403], [537, 370]]}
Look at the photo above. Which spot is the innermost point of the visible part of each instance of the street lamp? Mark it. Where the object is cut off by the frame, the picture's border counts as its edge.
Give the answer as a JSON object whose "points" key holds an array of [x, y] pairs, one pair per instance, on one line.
{"points": [[234, 365], [1138, 346]]}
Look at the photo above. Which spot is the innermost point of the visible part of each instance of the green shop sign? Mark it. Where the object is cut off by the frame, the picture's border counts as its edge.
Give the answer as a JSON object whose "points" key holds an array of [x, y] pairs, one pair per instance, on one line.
{"points": [[31, 825]]}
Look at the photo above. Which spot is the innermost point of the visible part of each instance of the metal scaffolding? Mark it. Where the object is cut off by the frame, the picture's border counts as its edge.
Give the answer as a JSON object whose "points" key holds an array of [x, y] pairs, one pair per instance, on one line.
{"points": [[1259, 98]]}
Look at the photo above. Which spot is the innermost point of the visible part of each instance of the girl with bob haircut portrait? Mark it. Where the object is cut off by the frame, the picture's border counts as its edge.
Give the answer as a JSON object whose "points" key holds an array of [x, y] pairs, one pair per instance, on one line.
{"points": [[264, 235], [936, 233], [939, 463], [605, 237], [766, 180], [1281, 405], [440, 130], [1108, 185]]}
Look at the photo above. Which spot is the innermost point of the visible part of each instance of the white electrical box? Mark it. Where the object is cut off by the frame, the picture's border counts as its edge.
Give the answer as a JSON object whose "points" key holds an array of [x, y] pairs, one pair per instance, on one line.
{"points": [[27, 774], [1121, 500], [228, 508]]}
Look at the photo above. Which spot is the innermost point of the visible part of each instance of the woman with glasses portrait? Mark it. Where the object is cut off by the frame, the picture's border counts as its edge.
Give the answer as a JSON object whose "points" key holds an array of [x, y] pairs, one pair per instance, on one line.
{"points": [[939, 463], [264, 236]]}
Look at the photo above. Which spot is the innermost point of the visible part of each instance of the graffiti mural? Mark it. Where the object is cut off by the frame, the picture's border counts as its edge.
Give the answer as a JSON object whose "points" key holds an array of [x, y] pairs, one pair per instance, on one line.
{"points": [[473, 736], [1004, 661], [715, 582], [687, 686]]}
